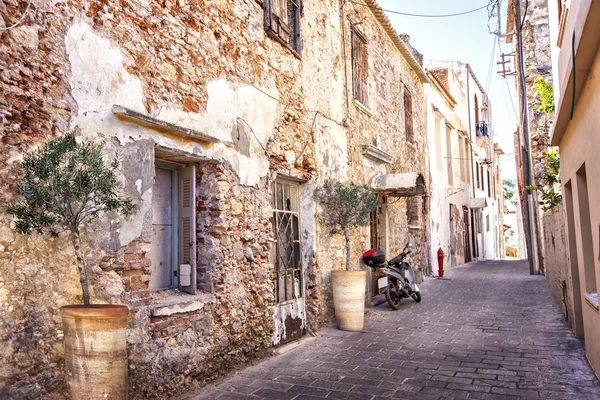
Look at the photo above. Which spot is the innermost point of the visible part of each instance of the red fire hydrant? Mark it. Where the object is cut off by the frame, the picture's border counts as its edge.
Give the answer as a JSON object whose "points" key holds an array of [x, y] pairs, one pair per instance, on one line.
{"points": [[441, 262]]}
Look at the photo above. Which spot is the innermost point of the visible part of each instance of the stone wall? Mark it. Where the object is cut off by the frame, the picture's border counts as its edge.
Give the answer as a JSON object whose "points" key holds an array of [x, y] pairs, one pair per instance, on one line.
{"points": [[556, 259], [264, 112]]}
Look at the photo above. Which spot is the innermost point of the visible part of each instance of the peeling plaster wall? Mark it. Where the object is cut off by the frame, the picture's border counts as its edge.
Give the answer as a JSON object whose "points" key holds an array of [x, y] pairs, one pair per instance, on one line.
{"points": [[206, 66]]}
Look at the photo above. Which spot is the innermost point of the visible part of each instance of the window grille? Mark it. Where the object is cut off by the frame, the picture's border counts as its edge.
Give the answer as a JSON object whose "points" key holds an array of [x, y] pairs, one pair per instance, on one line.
{"points": [[285, 252]]}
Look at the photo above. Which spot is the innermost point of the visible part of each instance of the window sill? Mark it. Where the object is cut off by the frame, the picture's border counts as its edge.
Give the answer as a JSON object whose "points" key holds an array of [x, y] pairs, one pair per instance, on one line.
{"points": [[411, 144], [169, 302], [592, 300], [285, 44], [363, 108]]}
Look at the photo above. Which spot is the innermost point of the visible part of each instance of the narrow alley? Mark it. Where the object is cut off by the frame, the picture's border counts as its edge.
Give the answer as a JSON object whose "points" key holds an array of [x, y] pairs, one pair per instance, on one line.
{"points": [[489, 331]]}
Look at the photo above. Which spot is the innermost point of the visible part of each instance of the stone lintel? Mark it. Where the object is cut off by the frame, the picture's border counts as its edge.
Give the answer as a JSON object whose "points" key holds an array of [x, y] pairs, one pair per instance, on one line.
{"points": [[376, 154], [170, 302], [147, 121]]}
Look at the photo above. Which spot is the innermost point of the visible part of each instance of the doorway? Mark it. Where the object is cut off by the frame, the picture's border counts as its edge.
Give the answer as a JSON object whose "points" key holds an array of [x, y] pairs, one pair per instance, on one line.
{"points": [[286, 259], [577, 324], [466, 235]]}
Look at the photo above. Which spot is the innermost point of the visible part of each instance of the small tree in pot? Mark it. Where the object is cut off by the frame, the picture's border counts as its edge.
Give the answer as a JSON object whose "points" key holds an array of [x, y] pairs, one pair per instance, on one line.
{"points": [[344, 207], [64, 185]]}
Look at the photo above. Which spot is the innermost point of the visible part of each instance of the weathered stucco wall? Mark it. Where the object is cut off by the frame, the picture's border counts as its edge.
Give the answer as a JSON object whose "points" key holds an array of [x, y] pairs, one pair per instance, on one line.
{"points": [[208, 67]]}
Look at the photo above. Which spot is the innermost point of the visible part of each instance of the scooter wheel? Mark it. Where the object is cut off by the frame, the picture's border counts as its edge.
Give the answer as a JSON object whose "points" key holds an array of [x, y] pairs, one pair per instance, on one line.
{"points": [[391, 295], [417, 296]]}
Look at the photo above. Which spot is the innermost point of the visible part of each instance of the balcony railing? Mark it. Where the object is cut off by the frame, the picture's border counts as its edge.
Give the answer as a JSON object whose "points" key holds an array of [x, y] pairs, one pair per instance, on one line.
{"points": [[481, 129]]}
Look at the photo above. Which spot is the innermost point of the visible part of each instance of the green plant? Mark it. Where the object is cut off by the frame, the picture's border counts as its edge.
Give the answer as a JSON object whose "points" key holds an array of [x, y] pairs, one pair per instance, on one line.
{"points": [[546, 92], [508, 188], [345, 206], [63, 185], [550, 195]]}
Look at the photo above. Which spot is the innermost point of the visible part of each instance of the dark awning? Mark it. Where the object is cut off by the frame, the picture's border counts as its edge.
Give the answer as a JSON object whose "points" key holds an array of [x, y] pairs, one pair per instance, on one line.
{"points": [[401, 185]]}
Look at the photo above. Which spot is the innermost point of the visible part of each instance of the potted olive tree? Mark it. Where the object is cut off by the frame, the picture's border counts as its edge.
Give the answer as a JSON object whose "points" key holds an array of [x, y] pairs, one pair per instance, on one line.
{"points": [[62, 186], [344, 207]]}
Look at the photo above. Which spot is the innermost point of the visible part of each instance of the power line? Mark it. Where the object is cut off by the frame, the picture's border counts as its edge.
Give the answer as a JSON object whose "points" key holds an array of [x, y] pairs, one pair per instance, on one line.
{"points": [[427, 15], [20, 19], [490, 69]]}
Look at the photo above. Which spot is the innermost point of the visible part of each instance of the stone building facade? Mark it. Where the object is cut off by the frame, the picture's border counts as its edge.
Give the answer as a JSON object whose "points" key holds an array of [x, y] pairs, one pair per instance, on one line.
{"points": [[463, 167], [224, 116]]}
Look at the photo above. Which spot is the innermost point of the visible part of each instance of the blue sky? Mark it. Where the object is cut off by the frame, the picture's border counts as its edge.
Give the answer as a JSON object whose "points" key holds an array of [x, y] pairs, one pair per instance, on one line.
{"points": [[463, 38]]}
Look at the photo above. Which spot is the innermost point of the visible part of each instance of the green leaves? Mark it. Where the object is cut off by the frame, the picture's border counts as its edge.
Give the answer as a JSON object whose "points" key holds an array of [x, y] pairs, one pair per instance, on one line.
{"points": [[63, 184], [550, 195], [345, 205], [546, 92]]}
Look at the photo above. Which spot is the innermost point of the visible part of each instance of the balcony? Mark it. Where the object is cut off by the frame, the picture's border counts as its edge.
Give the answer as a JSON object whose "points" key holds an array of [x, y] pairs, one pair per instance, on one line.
{"points": [[481, 129]]}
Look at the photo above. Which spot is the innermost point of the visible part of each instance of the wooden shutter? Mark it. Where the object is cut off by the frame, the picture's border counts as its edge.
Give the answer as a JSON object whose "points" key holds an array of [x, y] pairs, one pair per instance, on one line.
{"points": [[187, 230], [277, 18], [408, 115], [360, 67]]}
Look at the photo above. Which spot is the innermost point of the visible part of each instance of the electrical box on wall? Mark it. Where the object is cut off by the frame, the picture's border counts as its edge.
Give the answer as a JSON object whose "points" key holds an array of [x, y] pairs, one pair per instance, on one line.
{"points": [[185, 274]]}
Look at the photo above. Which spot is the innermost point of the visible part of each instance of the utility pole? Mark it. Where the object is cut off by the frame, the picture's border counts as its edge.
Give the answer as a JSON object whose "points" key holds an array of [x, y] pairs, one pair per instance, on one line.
{"points": [[533, 256]]}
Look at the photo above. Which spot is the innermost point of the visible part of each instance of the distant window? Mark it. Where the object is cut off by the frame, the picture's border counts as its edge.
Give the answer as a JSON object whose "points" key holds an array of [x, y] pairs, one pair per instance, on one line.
{"points": [[476, 102], [360, 67], [408, 116], [282, 22]]}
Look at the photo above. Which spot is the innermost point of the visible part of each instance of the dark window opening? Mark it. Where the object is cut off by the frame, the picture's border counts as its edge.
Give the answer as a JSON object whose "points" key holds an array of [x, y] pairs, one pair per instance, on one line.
{"points": [[408, 116], [412, 210], [360, 67]]}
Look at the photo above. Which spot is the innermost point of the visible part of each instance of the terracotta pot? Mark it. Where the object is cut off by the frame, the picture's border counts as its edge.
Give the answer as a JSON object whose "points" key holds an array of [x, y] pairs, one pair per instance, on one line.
{"points": [[349, 298], [96, 351]]}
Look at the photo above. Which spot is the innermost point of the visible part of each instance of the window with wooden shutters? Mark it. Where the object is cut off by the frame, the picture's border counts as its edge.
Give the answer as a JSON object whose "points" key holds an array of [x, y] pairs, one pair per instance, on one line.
{"points": [[360, 67], [408, 116], [282, 21]]}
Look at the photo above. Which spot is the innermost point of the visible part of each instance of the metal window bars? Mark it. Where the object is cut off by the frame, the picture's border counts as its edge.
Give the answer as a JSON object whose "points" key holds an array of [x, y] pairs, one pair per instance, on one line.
{"points": [[285, 252]]}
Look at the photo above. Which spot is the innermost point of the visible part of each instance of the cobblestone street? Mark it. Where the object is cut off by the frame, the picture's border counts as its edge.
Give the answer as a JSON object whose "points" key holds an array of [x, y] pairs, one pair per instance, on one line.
{"points": [[491, 331]]}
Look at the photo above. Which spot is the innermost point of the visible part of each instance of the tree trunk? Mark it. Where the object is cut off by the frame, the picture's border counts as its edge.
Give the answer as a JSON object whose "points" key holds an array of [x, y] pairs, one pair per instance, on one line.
{"points": [[347, 236], [81, 266]]}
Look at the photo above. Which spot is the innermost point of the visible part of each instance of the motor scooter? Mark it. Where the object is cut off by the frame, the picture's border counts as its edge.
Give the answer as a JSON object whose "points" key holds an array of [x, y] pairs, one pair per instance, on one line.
{"points": [[396, 277]]}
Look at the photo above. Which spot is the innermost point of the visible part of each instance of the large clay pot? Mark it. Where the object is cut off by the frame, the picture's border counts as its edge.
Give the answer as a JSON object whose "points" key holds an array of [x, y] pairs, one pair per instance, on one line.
{"points": [[349, 298], [96, 351]]}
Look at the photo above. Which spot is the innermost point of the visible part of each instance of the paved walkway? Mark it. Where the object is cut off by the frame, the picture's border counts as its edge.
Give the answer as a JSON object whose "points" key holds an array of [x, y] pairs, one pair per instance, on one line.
{"points": [[491, 331]]}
